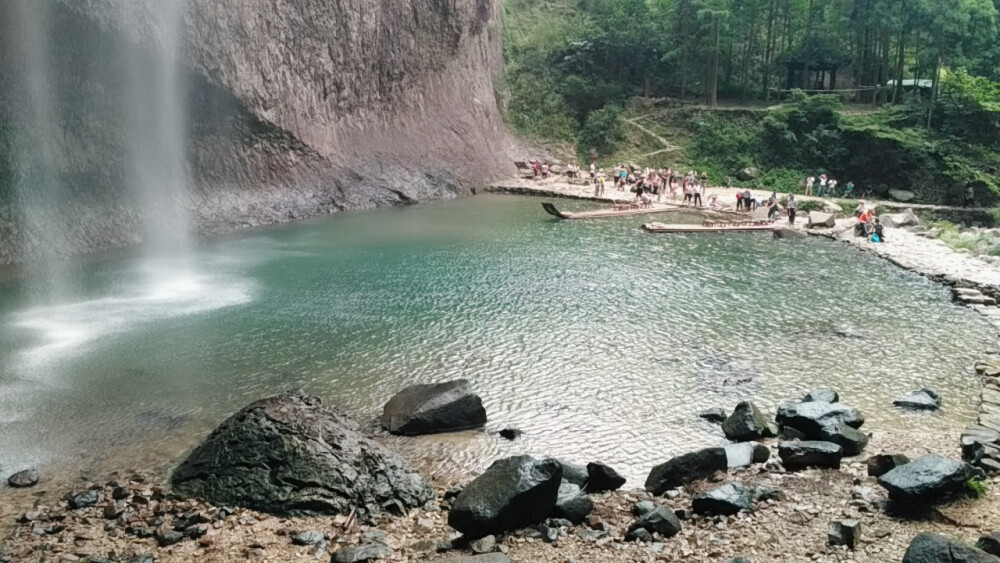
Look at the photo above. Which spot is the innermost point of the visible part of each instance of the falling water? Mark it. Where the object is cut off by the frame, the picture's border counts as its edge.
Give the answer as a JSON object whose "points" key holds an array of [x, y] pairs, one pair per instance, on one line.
{"points": [[138, 80], [157, 123], [37, 187]]}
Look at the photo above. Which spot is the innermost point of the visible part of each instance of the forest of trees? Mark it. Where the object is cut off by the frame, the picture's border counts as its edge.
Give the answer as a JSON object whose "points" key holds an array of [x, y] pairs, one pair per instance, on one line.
{"points": [[570, 62]]}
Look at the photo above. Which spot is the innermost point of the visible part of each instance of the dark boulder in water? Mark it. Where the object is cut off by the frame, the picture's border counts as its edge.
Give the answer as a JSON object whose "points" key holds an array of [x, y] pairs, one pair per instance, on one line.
{"points": [[513, 493], [291, 455], [22, 479], [603, 478], [434, 408], [746, 424], [924, 399], [716, 415], [821, 396], [815, 418]]}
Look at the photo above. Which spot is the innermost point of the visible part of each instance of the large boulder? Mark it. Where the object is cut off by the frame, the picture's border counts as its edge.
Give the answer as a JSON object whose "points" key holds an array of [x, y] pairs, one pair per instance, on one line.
{"points": [[934, 548], [433, 408], [747, 174], [513, 493], [746, 424], [727, 499], [815, 419], [902, 195], [686, 468], [905, 219], [925, 479], [291, 455], [924, 399], [797, 455], [788, 233], [821, 219]]}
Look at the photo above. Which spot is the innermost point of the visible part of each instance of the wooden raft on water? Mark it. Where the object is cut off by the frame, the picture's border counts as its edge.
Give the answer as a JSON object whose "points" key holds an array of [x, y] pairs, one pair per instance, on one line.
{"points": [[710, 227], [619, 210]]}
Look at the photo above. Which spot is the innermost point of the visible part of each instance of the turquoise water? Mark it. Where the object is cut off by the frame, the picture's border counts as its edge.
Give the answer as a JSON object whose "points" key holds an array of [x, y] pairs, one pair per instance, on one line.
{"points": [[596, 339]]}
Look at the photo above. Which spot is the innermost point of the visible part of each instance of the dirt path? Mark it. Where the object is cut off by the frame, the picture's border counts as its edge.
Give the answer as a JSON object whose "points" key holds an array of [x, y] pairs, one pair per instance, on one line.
{"points": [[667, 145]]}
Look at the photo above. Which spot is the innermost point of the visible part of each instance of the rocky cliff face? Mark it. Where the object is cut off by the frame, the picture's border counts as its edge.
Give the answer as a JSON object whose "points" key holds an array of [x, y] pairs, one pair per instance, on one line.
{"points": [[294, 108]]}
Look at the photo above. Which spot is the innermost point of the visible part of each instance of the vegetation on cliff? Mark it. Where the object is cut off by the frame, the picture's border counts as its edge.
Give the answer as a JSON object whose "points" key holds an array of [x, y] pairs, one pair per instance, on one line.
{"points": [[571, 64]]}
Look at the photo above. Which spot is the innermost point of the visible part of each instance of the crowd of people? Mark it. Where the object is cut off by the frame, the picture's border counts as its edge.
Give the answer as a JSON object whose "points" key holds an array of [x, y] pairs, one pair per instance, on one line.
{"points": [[647, 184], [826, 187]]}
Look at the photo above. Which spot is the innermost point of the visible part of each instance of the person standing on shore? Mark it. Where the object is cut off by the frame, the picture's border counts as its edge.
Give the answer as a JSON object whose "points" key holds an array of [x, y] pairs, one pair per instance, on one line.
{"points": [[792, 205], [772, 207], [698, 189], [809, 185]]}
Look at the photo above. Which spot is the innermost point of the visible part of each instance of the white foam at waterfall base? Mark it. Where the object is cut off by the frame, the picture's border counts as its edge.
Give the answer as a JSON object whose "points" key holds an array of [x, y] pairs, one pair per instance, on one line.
{"points": [[63, 331]]}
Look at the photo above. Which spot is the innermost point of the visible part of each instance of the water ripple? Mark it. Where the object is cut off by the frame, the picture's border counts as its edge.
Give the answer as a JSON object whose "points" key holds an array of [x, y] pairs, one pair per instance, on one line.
{"points": [[597, 340]]}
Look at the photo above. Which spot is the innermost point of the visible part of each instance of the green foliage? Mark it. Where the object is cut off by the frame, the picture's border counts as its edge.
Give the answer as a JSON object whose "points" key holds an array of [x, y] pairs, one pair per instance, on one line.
{"points": [[602, 132], [536, 109], [567, 59], [805, 132], [783, 179], [810, 205], [976, 488], [969, 107], [732, 145]]}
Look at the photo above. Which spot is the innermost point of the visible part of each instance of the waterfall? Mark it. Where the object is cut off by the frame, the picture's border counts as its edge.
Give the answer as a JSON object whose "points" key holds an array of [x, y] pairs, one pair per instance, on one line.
{"points": [[137, 87], [157, 123], [37, 187]]}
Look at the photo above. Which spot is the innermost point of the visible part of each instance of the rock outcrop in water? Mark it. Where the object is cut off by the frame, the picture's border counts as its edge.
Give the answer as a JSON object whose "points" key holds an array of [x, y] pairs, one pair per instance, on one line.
{"points": [[289, 454], [432, 408], [294, 108]]}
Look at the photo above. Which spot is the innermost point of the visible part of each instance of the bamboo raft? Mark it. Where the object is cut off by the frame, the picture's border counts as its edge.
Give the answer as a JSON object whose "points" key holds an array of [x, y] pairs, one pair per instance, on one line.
{"points": [[619, 210], [711, 227]]}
